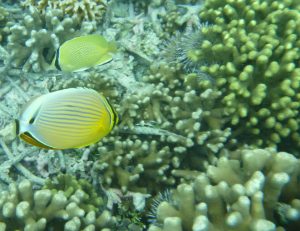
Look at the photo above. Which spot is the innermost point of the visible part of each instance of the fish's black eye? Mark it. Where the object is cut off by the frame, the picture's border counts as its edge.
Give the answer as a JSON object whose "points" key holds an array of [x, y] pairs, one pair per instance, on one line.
{"points": [[56, 62], [31, 121]]}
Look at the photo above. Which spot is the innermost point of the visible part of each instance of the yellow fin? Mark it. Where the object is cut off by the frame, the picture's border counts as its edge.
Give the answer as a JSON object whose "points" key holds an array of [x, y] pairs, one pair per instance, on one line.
{"points": [[31, 140]]}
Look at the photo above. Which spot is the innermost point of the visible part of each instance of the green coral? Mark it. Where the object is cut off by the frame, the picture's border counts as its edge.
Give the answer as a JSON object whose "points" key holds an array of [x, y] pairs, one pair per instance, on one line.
{"points": [[251, 49], [242, 190], [64, 203]]}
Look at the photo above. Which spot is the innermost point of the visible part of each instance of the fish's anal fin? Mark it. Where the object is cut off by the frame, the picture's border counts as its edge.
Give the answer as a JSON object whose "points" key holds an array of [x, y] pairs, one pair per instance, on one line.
{"points": [[26, 136], [104, 59]]}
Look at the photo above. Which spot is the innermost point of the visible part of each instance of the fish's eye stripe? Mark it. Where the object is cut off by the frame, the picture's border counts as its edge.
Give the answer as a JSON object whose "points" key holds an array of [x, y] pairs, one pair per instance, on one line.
{"points": [[56, 63]]}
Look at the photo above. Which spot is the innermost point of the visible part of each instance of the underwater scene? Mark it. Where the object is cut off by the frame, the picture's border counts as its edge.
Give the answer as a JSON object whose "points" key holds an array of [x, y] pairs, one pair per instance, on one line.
{"points": [[155, 115]]}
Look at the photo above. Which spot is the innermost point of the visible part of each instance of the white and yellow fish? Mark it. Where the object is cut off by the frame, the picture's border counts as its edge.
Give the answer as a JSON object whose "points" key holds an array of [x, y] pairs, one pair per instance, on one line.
{"points": [[83, 52], [69, 118]]}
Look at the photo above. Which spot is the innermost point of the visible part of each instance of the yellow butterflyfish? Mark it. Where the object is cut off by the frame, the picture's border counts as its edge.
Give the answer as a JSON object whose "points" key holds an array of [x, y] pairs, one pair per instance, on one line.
{"points": [[83, 52], [64, 119]]}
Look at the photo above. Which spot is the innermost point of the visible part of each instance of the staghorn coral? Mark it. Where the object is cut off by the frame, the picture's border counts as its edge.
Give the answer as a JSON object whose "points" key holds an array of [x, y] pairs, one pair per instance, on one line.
{"points": [[176, 122], [9, 14], [65, 204], [242, 190], [184, 104], [178, 16], [34, 40], [251, 50], [85, 10]]}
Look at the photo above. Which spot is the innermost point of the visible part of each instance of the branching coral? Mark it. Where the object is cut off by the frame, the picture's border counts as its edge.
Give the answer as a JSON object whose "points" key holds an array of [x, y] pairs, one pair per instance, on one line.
{"points": [[67, 204], [186, 101], [255, 45], [85, 10], [177, 121], [242, 190]]}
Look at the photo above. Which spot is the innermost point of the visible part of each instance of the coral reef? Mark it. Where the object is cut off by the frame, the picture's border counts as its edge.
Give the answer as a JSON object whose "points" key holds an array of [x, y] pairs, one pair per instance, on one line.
{"points": [[85, 10], [243, 190], [9, 14], [146, 145], [188, 102], [252, 51], [66, 204], [192, 80], [162, 110]]}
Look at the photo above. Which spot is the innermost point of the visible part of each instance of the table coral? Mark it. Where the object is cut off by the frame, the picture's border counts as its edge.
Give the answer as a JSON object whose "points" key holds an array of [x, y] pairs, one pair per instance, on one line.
{"points": [[243, 190], [65, 204], [251, 49]]}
